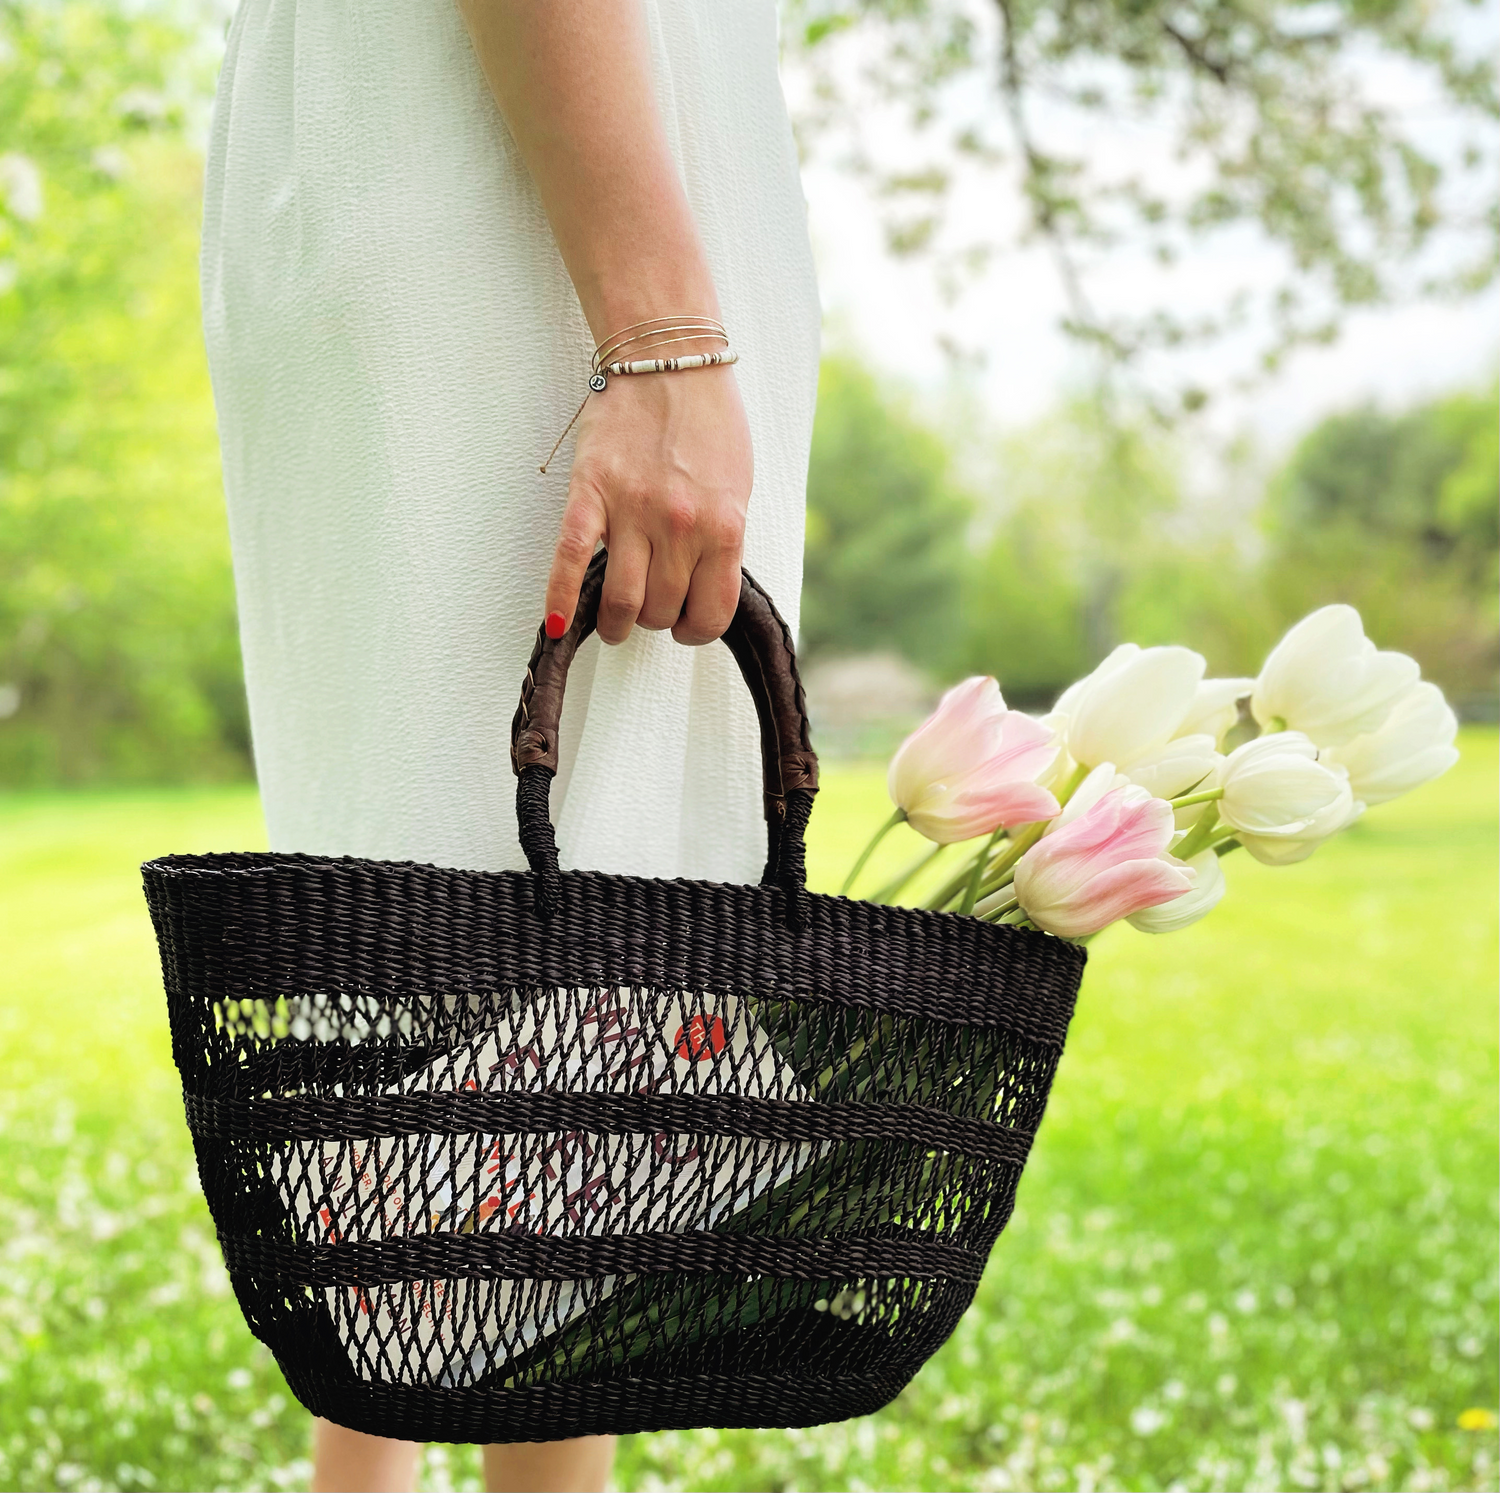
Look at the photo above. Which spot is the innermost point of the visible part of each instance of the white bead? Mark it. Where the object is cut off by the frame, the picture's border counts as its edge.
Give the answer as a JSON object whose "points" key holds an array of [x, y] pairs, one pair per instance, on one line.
{"points": [[675, 365]]}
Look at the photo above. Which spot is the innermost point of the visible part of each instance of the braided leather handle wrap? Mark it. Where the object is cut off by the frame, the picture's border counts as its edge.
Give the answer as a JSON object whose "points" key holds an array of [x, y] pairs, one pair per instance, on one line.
{"points": [[761, 643]]}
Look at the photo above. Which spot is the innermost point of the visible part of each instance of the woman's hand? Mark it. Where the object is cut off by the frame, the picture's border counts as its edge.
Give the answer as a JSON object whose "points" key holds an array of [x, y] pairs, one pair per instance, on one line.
{"points": [[662, 475], [662, 471]]}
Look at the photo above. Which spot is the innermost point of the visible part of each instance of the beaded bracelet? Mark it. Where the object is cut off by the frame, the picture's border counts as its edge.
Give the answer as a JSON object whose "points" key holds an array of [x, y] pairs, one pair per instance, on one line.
{"points": [[659, 331]]}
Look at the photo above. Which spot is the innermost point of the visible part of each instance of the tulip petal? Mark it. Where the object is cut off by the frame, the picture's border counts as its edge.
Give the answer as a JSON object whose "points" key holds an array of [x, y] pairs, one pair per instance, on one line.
{"points": [[972, 766], [1277, 785], [1215, 707], [1112, 663], [1134, 708], [1413, 746], [1125, 824], [1205, 894], [1327, 679], [1073, 878], [1182, 763], [1111, 895]]}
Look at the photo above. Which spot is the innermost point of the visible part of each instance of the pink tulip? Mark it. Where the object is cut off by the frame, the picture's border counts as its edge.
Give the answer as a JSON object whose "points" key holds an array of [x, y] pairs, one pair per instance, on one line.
{"points": [[972, 766], [1102, 866]]}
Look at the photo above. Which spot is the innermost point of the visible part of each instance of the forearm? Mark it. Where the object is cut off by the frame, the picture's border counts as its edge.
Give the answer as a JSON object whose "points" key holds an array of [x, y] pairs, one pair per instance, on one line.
{"points": [[573, 80]]}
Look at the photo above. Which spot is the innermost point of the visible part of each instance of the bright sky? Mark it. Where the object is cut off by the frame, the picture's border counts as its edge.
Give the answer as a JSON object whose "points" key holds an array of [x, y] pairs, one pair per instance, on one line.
{"points": [[891, 310]]}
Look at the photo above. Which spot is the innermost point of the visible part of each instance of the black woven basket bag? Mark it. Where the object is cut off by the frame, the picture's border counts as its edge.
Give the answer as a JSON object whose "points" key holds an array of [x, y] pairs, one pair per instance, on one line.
{"points": [[511, 1156]]}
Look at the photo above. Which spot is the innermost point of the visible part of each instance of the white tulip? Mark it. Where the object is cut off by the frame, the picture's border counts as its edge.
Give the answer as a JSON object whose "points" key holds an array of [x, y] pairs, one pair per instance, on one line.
{"points": [[1207, 892], [1130, 706], [1281, 800], [1181, 764], [1287, 850], [1326, 679], [1414, 745], [1103, 779], [1215, 708]]}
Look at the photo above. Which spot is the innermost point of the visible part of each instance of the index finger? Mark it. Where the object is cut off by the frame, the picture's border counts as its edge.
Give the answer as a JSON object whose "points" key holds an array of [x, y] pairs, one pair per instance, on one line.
{"points": [[582, 529]]}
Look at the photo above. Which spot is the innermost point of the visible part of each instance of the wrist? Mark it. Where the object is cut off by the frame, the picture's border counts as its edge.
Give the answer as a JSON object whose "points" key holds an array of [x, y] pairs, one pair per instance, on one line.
{"points": [[671, 278], [626, 311]]}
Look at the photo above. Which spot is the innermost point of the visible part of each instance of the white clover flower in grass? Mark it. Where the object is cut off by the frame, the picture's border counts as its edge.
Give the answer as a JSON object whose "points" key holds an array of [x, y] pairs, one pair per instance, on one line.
{"points": [[1326, 679], [21, 186], [1281, 800], [1132, 705], [1413, 745]]}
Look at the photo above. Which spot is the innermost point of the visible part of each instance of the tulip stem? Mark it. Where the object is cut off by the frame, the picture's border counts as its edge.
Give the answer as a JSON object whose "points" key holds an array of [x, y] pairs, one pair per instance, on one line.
{"points": [[949, 890], [1223, 846], [971, 892], [899, 817], [1020, 843], [994, 882], [1198, 836], [1190, 799], [1003, 911], [894, 888], [1072, 785]]}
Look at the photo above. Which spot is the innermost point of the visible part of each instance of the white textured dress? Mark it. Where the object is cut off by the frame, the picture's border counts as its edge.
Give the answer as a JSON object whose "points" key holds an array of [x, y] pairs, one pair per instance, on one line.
{"points": [[395, 344]]}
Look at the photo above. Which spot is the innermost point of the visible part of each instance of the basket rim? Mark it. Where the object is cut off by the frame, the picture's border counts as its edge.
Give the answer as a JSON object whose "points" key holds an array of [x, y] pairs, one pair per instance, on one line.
{"points": [[677, 933]]}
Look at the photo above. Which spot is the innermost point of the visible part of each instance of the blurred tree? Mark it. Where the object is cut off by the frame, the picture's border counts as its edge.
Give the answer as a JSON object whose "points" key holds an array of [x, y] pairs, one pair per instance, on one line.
{"points": [[118, 650], [1155, 126], [1400, 516], [885, 526], [1083, 501]]}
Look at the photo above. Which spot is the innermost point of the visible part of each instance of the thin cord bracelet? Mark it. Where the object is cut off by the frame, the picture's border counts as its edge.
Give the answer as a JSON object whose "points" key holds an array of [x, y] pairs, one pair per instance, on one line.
{"points": [[661, 331], [668, 365]]}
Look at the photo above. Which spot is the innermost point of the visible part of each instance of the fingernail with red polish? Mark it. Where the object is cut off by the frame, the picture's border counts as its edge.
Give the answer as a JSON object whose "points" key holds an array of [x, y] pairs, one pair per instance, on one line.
{"points": [[557, 624]]}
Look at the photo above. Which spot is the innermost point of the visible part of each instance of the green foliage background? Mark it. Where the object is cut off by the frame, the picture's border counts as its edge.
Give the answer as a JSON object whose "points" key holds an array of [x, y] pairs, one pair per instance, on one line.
{"points": [[1087, 534], [118, 651]]}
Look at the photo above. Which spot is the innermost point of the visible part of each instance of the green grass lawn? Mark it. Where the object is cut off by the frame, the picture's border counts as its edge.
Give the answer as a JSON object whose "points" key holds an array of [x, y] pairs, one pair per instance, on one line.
{"points": [[1255, 1245]]}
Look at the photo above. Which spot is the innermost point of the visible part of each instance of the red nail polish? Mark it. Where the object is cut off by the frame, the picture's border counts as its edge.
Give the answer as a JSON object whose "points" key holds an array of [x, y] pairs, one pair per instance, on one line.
{"points": [[557, 624]]}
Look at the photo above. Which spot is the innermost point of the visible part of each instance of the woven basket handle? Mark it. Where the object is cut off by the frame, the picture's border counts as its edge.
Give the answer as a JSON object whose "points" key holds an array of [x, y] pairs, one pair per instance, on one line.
{"points": [[762, 646]]}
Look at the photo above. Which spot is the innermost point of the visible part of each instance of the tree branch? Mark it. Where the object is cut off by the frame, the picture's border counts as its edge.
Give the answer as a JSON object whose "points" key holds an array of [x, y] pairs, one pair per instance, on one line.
{"points": [[1197, 56]]}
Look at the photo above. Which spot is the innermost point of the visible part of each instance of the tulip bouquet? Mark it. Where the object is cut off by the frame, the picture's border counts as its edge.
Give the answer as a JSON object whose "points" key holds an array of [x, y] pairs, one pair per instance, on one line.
{"points": [[1119, 804], [1124, 800]]}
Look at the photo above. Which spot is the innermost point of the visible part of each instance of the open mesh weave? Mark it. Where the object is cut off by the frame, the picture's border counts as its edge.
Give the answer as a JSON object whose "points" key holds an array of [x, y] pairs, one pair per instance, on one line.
{"points": [[658, 1162]]}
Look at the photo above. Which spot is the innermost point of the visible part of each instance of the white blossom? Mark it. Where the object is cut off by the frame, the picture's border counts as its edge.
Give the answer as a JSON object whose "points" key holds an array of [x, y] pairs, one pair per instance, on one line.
{"points": [[1413, 745], [1326, 679], [1130, 706]]}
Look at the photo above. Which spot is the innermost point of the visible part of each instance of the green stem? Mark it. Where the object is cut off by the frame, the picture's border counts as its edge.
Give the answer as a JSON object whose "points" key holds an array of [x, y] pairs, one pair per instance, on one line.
{"points": [[1022, 841], [1224, 846], [1197, 798], [1072, 785], [895, 888], [1197, 837], [995, 914], [950, 888], [1019, 845], [899, 817], [971, 893], [993, 883]]}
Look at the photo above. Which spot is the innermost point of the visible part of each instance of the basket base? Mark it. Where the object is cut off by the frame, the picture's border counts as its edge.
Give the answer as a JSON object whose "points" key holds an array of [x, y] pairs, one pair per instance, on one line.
{"points": [[619, 1407]]}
